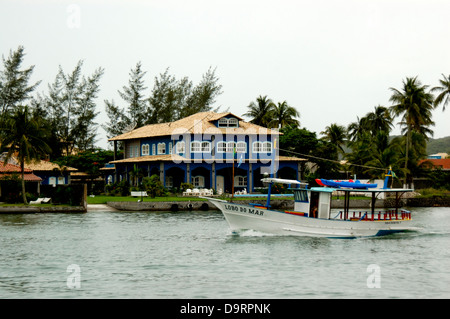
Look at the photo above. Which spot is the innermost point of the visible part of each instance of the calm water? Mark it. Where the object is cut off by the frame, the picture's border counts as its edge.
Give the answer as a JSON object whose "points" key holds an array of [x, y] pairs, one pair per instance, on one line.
{"points": [[193, 255]]}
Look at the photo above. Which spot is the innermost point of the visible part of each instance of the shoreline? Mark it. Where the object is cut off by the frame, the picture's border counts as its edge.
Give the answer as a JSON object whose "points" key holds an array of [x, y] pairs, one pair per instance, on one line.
{"points": [[205, 205], [46, 209], [282, 204]]}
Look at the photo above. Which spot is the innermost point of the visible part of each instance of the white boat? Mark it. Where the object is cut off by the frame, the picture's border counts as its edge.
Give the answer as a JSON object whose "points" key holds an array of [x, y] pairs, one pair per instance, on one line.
{"points": [[312, 214]]}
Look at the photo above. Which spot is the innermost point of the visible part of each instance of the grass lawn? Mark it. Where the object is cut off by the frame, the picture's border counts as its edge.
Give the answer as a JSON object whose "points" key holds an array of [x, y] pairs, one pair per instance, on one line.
{"points": [[100, 199]]}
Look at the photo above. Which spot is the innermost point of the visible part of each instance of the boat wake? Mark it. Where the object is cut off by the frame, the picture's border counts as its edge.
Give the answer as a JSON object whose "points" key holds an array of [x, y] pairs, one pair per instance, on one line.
{"points": [[421, 233], [250, 233]]}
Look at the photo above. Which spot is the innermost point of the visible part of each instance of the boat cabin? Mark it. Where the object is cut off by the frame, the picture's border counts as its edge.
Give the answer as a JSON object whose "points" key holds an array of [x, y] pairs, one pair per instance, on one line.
{"points": [[309, 202], [314, 202]]}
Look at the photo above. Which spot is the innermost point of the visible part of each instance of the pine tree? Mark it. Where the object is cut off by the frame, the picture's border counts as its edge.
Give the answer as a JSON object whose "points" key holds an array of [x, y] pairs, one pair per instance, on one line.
{"points": [[85, 112], [164, 99], [133, 95], [170, 100], [71, 108], [14, 87], [135, 114], [203, 95]]}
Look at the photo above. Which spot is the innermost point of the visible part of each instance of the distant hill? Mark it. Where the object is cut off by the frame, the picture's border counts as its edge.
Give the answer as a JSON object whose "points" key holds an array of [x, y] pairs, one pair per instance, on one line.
{"points": [[438, 145]]}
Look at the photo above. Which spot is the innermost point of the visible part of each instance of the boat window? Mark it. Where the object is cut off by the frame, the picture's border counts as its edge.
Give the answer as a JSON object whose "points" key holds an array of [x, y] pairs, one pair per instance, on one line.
{"points": [[301, 196]]}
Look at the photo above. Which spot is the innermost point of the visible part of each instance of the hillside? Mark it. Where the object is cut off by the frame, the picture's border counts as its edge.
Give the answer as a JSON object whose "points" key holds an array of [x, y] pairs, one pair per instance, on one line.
{"points": [[439, 145]]}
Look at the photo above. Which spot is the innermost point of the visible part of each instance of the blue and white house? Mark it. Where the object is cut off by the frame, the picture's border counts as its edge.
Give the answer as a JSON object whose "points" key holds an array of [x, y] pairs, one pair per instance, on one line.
{"points": [[202, 149]]}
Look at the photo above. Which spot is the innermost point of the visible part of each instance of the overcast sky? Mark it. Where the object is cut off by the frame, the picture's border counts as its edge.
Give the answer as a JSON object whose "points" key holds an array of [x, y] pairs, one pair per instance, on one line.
{"points": [[331, 60]]}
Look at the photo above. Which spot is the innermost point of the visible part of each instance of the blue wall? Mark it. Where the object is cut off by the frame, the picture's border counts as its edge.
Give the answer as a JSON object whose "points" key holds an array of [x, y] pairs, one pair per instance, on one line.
{"points": [[200, 163], [213, 141]]}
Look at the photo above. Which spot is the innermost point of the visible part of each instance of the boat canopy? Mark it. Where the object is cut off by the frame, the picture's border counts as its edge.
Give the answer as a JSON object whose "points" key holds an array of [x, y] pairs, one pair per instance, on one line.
{"points": [[281, 181], [272, 180], [323, 189], [375, 190]]}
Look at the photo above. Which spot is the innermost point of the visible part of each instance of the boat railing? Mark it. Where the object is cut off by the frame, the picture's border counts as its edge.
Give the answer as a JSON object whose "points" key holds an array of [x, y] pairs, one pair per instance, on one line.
{"points": [[387, 215]]}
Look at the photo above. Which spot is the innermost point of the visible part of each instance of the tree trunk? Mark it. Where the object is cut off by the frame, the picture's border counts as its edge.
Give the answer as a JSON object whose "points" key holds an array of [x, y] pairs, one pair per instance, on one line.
{"points": [[408, 137]]}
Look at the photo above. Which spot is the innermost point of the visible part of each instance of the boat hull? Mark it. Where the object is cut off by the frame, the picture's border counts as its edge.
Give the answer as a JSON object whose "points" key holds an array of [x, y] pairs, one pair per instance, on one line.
{"points": [[347, 184], [242, 217]]}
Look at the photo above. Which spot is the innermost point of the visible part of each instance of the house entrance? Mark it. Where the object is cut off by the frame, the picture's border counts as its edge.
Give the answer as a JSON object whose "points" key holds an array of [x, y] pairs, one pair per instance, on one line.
{"points": [[220, 183]]}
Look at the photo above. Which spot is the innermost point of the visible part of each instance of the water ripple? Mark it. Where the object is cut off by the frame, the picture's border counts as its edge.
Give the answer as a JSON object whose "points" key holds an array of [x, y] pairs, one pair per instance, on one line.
{"points": [[194, 255]]}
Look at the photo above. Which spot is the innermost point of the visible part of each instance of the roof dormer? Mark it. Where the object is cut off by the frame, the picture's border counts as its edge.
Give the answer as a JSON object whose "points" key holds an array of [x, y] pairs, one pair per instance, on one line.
{"points": [[228, 121]]}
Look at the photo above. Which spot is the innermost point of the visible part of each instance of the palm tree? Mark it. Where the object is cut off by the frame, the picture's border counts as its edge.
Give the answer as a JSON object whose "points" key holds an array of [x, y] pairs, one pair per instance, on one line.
{"points": [[414, 104], [444, 95], [336, 135], [135, 174], [24, 135], [361, 152], [379, 120], [356, 130], [383, 153], [283, 115], [259, 111]]}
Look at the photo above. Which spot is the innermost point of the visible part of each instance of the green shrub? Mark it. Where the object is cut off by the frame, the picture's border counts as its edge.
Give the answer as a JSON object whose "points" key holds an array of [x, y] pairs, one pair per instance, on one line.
{"points": [[154, 187], [185, 186]]}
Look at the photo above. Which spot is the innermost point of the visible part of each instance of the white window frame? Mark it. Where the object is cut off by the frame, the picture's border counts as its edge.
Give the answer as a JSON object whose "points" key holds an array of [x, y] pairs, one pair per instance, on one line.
{"points": [[196, 147], [223, 122], [198, 181], [161, 148], [228, 122], [221, 147], [206, 147], [169, 181], [52, 181], [240, 181], [262, 147], [145, 149], [256, 147], [233, 122], [181, 147], [170, 147], [230, 147], [200, 147], [153, 149], [266, 147], [241, 147], [130, 150]]}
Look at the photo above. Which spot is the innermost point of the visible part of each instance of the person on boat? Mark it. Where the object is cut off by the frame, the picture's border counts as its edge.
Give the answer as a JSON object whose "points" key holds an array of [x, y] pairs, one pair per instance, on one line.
{"points": [[314, 212]]}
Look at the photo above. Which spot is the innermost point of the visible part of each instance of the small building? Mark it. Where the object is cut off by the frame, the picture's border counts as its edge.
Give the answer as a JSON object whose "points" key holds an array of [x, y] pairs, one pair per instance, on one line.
{"points": [[10, 172], [436, 163], [438, 156], [203, 149], [48, 172], [51, 173]]}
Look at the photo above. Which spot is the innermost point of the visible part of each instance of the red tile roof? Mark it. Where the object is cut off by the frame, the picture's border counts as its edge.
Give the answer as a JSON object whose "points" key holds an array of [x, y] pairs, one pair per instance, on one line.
{"points": [[443, 164], [10, 168], [7, 169], [28, 177]]}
